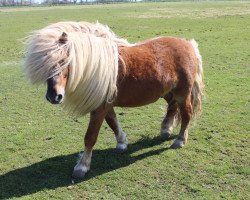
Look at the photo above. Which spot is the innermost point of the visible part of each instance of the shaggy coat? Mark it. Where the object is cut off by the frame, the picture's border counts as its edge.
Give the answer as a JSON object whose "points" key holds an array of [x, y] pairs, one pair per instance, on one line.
{"points": [[89, 69]]}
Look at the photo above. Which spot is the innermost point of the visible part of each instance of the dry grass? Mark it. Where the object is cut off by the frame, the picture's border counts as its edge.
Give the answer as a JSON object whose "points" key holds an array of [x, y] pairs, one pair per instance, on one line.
{"points": [[204, 11]]}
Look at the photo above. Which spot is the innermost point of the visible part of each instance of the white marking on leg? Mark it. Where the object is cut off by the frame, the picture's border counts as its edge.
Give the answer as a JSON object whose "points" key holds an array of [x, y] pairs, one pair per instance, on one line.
{"points": [[165, 134], [83, 163], [165, 131], [121, 146], [121, 139], [168, 126], [80, 167], [178, 143]]}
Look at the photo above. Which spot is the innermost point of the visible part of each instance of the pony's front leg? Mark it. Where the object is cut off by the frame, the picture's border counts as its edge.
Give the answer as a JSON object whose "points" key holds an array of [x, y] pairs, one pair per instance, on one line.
{"points": [[83, 165], [122, 142]]}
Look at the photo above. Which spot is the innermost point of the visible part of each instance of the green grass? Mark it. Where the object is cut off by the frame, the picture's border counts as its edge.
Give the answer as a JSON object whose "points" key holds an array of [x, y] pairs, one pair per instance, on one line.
{"points": [[39, 142]]}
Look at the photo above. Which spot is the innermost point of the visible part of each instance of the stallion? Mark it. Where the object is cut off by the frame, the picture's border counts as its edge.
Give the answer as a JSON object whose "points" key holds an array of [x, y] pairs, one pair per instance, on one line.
{"points": [[89, 69]]}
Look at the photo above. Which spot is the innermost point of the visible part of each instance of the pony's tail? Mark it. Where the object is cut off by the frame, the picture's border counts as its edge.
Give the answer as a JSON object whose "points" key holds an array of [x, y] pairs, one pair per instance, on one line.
{"points": [[198, 87]]}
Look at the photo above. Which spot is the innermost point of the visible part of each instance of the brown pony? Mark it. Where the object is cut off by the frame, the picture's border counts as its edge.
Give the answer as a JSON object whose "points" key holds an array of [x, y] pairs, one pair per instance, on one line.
{"points": [[89, 69]]}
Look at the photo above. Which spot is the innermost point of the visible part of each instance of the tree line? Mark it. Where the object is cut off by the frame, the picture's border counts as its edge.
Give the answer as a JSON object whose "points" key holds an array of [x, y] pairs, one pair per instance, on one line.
{"points": [[55, 2]]}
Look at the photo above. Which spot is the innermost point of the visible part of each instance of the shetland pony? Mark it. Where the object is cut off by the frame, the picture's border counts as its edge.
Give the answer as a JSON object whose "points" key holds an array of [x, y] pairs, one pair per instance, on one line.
{"points": [[89, 69]]}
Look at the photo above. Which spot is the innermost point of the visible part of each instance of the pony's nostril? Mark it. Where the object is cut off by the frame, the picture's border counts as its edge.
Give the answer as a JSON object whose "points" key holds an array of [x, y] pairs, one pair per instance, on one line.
{"points": [[59, 97]]}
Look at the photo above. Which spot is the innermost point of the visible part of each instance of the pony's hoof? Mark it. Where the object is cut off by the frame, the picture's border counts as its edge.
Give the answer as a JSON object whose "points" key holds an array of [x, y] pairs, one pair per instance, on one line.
{"points": [[77, 175], [177, 144], [119, 151], [79, 172], [165, 136], [121, 147]]}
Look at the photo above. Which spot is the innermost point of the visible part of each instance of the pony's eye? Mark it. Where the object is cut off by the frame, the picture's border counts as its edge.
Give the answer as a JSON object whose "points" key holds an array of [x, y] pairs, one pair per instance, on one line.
{"points": [[61, 61]]}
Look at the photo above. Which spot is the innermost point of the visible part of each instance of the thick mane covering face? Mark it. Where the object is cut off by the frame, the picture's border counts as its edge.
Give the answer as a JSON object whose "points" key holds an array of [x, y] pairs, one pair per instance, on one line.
{"points": [[91, 53]]}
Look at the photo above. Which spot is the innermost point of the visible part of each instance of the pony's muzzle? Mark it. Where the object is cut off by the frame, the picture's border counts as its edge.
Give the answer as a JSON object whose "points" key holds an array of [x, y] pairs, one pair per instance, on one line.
{"points": [[55, 92], [55, 99]]}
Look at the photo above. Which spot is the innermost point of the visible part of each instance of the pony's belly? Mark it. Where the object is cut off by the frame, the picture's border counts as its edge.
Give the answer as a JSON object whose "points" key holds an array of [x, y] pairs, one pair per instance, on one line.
{"points": [[134, 102], [134, 95]]}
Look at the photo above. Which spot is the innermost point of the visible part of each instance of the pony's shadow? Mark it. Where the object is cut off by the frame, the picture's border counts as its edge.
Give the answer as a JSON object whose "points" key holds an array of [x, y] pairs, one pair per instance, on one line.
{"points": [[56, 172]]}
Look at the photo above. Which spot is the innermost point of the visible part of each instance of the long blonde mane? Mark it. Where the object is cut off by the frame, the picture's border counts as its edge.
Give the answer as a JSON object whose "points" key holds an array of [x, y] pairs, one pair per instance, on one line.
{"points": [[90, 52]]}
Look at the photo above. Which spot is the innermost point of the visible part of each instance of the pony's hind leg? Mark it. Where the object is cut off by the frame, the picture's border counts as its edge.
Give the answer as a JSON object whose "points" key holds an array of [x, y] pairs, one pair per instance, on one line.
{"points": [[168, 121], [121, 138], [185, 108]]}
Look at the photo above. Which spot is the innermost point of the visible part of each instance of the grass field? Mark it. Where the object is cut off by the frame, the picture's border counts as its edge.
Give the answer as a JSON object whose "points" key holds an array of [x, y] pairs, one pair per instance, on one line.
{"points": [[39, 142]]}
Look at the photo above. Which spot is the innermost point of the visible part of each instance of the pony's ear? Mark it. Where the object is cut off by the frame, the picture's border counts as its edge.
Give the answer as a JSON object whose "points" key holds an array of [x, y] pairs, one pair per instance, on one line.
{"points": [[63, 38]]}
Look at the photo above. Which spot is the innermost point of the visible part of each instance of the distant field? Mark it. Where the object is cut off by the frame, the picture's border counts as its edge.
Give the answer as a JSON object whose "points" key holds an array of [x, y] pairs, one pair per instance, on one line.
{"points": [[39, 142]]}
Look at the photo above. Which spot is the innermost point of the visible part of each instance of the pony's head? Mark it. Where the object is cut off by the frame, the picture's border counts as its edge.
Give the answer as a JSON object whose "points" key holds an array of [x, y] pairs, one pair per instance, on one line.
{"points": [[56, 87], [57, 83], [78, 61]]}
